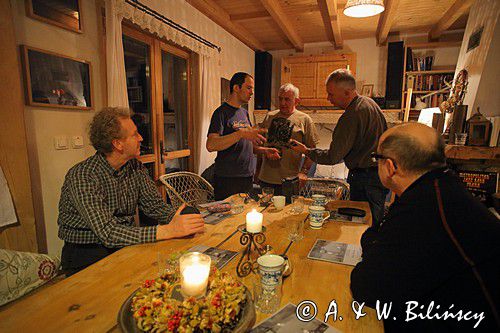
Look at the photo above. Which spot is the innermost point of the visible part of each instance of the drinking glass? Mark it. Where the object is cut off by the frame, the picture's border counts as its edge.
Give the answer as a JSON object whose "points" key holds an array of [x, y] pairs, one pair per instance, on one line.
{"points": [[267, 195], [295, 229], [297, 205]]}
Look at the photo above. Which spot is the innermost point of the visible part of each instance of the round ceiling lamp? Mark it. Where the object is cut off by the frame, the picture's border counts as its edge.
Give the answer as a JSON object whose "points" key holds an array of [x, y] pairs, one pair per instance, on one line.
{"points": [[363, 8]]}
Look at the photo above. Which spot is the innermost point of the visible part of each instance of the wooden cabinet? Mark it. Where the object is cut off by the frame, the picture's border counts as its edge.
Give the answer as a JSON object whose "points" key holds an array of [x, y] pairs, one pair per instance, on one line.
{"points": [[309, 73]]}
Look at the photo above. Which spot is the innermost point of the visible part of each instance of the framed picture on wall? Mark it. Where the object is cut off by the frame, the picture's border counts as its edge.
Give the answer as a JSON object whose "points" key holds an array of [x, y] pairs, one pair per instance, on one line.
{"points": [[367, 90], [55, 80], [66, 14]]}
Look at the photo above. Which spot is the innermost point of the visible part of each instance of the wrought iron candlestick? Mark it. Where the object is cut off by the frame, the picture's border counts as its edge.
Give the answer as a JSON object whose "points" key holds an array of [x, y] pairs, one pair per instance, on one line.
{"points": [[250, 240]]}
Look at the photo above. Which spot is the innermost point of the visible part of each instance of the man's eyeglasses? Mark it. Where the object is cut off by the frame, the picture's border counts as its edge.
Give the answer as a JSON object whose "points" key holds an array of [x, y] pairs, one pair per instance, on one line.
{"points": [[375, 157]]}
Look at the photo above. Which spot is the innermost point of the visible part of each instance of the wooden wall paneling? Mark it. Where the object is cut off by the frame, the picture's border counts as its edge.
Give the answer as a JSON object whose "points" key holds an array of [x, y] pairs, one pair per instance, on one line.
{"points": [[13, 145], [324, 69]]}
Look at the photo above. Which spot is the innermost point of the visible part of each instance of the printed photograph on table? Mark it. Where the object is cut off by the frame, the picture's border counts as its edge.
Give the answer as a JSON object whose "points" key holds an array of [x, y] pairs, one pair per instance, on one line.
{"points": [[367, 90], [286, 321], [219, 257], [335, 252], [55, 80]]}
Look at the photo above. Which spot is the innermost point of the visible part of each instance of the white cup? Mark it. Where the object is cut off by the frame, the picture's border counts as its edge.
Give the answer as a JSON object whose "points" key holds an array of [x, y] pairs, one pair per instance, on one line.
{"points": [[271, 268], [317, 216], [279, 202]]}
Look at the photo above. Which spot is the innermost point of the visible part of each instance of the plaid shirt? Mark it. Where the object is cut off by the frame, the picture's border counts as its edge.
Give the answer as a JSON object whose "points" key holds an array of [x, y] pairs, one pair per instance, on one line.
{"points": [[98, 204]]}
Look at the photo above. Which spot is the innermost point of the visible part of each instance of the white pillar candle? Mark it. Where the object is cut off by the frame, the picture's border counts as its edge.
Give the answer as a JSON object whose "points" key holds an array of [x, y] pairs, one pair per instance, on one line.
{"points": [[194, 268], [254, 221]]}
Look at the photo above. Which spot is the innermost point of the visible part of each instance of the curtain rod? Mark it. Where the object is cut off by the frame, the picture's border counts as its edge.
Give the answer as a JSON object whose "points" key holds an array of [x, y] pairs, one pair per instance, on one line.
{"points": [[160, 17]]}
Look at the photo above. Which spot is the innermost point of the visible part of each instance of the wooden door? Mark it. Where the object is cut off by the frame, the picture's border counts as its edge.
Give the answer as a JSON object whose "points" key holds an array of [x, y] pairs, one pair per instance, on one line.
{"points": [[158, 81], [324, 69]]}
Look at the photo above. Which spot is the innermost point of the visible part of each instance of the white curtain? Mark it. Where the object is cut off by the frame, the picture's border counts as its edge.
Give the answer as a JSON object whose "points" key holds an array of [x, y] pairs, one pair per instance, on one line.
{"points": [[206, 101], [115, 62]]}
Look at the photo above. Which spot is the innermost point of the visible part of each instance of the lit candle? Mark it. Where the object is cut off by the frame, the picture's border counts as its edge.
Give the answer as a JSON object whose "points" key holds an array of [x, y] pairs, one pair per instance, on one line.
{"points": [[195, 268], [254, 221]]}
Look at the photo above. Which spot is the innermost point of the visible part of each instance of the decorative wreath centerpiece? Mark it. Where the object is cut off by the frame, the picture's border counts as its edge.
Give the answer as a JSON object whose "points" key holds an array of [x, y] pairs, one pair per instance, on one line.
{"points": [[155, 310]]}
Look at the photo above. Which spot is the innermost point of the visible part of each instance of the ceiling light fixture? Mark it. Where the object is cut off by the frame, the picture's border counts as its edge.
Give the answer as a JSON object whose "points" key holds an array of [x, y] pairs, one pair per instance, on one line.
{"points": [[363, 8]]}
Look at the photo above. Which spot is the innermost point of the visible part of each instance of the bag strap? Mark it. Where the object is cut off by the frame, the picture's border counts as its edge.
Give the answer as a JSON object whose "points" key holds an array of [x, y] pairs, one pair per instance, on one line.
{"points": [[467, 259]]}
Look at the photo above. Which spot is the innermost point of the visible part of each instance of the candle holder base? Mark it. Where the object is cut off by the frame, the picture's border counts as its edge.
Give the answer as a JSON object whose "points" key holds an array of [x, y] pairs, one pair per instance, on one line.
{"points": [[253, 242]]}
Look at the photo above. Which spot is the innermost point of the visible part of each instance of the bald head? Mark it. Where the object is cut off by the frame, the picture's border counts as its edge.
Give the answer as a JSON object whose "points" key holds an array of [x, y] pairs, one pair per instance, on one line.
{"points": [[416, 147]]}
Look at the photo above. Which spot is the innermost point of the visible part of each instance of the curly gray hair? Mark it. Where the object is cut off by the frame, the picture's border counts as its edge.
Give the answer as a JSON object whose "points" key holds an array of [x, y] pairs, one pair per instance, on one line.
{"points": [[105, 127]]}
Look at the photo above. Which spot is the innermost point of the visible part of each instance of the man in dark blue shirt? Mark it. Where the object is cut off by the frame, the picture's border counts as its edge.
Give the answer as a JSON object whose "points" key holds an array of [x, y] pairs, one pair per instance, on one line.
{"points": [[231, 135]]}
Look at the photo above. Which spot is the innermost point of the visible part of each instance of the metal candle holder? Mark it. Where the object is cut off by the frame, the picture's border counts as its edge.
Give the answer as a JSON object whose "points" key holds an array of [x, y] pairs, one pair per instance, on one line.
{"points": [[246, 264]]}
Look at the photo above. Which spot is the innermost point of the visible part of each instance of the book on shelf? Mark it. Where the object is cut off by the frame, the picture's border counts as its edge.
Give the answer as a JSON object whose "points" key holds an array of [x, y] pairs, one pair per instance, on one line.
{"points": [[428, 82], [418, 62]]}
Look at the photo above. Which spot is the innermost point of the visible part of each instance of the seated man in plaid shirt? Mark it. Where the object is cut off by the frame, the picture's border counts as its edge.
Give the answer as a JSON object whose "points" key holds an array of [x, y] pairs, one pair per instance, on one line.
{"points": [[100, 196]]}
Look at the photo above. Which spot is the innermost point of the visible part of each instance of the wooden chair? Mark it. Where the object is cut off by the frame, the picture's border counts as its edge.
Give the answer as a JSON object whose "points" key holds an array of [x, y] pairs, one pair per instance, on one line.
{"points": [[332, 188], [187, 187]]}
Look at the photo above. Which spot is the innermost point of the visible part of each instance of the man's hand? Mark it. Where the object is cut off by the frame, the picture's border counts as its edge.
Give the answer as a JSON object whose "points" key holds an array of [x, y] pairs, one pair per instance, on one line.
{"points": [[272, 154], [298, 146], [302, 179], [181, 225], [253, 134]]}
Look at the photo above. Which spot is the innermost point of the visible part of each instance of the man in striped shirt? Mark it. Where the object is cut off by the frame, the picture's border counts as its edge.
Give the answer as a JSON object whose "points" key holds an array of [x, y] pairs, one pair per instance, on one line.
{"points": [[100, 196]]}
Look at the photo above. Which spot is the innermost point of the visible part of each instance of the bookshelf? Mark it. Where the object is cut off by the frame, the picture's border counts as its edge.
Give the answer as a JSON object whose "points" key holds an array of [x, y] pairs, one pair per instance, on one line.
{"points": [[423, 77]]}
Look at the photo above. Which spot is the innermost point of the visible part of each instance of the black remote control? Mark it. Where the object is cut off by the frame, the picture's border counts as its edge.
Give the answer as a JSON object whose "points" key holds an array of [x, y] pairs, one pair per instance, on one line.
{"points": [[351, 211]]}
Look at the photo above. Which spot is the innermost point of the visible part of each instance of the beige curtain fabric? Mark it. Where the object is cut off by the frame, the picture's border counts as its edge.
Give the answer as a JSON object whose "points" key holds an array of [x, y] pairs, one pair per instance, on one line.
{"points": [[175, 10], [115, 62], [206, 101]]}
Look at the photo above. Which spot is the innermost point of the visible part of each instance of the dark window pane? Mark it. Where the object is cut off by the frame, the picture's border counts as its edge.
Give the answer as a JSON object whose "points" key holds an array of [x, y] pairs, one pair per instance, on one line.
{"points": [[137, 68], [175, 102]]}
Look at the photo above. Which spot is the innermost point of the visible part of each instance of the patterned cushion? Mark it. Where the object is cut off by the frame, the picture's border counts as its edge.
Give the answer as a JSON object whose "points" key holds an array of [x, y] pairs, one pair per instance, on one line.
{"points": [[21, 272]]}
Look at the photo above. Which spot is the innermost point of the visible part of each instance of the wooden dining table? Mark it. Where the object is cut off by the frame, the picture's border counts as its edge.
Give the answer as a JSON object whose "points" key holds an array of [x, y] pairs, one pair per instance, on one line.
{"points": [[89, 301]]}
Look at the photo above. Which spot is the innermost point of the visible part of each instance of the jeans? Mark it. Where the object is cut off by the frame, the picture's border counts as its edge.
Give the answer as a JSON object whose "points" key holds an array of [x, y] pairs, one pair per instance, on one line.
{"points": [[365, 185], [76, 257]]}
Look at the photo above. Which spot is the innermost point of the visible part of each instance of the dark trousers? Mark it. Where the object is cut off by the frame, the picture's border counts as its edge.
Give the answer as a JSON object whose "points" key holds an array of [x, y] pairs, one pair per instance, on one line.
{"points": [[76, 257], [227, 186], [365, 185], [278, 189]]}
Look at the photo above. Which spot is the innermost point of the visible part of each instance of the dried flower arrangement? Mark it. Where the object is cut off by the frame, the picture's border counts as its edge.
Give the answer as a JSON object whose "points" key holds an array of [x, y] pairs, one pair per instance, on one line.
{"points": [[155, 310]]}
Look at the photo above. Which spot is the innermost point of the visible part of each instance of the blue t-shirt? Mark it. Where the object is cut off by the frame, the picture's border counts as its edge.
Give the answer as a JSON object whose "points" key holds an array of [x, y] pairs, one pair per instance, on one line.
{"points": [[237, 160]]}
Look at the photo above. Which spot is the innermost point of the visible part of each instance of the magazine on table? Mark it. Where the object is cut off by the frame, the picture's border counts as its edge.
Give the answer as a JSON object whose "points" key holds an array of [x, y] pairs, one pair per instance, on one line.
{"points": [[340, 253], [286, 321], [219, 257], [213, 217]]}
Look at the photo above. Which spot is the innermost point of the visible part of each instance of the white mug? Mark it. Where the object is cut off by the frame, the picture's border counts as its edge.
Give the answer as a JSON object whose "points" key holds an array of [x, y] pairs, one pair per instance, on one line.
{"points": [[317, 216], [271, 268], [279, 202]]}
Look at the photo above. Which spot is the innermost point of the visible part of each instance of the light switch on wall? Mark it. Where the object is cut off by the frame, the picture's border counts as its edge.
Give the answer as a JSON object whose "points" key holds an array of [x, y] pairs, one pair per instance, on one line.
{"points": [[60, 142], [77, 141]]}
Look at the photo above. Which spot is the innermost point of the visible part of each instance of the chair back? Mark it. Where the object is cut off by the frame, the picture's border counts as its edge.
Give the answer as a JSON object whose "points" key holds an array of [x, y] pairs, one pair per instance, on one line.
{"points": [[187, 187], [332, 188]]}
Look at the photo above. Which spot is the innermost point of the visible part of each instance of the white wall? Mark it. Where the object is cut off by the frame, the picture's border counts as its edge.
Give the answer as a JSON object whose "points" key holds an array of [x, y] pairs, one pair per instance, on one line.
{"points": [[49, 166], [482, 62]]}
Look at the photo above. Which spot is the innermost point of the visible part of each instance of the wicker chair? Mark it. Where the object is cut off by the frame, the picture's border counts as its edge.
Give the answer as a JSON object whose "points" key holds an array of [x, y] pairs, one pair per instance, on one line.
{"points": [[187, 187], [332, 188]]}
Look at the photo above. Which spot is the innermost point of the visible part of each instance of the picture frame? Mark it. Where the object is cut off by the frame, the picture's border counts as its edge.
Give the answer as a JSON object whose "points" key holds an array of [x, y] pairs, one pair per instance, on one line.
{"points": [[66, 14], [367, 90], [56, 80]]}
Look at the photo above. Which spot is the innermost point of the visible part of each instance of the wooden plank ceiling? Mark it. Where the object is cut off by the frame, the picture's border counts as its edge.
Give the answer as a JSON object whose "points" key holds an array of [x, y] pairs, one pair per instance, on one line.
{"points": [[286, 24]]}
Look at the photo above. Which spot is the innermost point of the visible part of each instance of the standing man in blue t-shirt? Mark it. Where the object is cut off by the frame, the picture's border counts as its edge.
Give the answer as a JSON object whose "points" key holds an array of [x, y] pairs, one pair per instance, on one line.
{"points": [[231, 135]]}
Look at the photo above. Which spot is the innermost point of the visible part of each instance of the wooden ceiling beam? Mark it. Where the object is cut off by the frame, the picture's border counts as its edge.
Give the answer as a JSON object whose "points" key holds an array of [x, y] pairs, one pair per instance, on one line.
{"points": [[456, 10], [217, 14], [385, 21], [329, 14], [274, 9], [250, 16]]}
